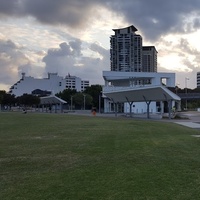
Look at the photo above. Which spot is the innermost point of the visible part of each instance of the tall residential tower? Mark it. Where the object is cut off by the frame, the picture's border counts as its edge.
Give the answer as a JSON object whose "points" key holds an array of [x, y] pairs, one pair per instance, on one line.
{"points": [[149, 59], [126, 50], [127, 53], [198, 79]]}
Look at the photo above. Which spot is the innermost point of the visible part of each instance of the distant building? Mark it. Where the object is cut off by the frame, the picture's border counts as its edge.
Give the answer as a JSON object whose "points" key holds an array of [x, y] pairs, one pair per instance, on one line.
{"points": [[126, 50], [198, 79], [133, 67], [53, 84], [118, 81], [75, 83], [149, 59]]}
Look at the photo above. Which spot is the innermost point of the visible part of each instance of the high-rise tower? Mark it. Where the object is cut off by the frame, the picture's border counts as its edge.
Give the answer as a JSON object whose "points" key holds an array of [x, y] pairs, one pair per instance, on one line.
{"points": [[126, 50], [149, 59], [198, 79]]}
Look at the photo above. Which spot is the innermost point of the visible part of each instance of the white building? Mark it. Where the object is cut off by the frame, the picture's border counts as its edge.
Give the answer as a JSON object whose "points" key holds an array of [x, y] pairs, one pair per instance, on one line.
{"points": [[125, 81], [134, 72], [53, 84], [73, 82]]}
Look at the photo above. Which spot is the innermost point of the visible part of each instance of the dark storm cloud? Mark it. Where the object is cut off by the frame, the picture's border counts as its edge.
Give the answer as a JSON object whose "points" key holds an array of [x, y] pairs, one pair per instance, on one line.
{"points": [[73, 13], [9, 7], [157, 17], [70, 12], [152, 17]]}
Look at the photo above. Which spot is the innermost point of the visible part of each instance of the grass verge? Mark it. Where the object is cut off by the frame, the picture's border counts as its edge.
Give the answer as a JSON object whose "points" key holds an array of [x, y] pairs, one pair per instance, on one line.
{"points": [[61, 156]]}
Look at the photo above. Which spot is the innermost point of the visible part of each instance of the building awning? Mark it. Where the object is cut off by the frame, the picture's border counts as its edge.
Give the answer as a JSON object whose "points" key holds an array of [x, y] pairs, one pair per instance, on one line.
{"points": [[140, 94], [51, 100]]}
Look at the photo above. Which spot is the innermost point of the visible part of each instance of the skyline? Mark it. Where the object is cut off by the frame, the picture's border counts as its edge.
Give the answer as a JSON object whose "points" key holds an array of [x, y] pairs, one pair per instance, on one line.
{"points": [[73, 37]]}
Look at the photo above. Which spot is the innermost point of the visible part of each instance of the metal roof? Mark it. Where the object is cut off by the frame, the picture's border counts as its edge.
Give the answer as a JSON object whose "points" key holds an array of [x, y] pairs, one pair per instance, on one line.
{"points": [[51, 100], [132, 28], [141, 94]]}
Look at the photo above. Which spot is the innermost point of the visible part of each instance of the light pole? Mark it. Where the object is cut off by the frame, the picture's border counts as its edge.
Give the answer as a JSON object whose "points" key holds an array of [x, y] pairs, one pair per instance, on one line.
{"points": [[84, 101], [71, 102], [176, 88], [186, 79], [100, 102]]}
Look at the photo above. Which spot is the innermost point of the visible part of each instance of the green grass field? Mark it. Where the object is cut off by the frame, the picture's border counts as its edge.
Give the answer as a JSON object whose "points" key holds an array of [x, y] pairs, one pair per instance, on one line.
{"points": [[62, 156]]}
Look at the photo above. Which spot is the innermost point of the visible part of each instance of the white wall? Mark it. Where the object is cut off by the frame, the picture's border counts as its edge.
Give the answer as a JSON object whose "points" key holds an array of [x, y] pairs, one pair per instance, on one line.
{"points": [[53, 83], [140, 107]]}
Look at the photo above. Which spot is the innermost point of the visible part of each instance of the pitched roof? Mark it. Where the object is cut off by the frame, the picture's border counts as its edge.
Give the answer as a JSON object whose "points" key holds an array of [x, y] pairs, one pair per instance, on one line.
{"points": [[51, 100], [141, 94], [132, 28]]}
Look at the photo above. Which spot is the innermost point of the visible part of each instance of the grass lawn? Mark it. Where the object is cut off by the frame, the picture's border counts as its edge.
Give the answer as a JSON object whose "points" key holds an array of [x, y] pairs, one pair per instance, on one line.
{"points": [[62, 156]]}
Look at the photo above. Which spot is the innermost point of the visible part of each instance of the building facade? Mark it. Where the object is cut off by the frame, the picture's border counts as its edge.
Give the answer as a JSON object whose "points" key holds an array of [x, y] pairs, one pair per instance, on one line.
{"points": [[53, 84], [75, 83], [127, 53], [149, 59], [126, 50], [116, 81], [133, 65], [198, 79]]}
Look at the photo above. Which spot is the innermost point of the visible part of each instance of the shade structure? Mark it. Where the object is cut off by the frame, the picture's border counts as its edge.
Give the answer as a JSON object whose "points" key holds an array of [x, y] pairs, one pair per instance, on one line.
{"points": [[141, 94], [51, 100]]}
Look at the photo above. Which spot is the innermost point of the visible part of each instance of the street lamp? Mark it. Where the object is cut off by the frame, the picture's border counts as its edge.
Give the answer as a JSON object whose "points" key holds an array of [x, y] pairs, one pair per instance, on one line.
{"points": [[176, 88], [100, 102], [186, 79], [84, 101], [71, 102]]}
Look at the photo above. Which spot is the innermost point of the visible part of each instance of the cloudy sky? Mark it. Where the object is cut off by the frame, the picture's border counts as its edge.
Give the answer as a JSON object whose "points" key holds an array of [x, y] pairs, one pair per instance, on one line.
{"points": [[72, 36]]}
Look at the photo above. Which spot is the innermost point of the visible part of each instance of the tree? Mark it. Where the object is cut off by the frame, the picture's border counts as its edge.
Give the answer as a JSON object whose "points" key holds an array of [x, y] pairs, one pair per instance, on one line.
{"points": [[2, 94], [7, 99], [66, 94], [96, 92], [80, 98], [28, 100]]}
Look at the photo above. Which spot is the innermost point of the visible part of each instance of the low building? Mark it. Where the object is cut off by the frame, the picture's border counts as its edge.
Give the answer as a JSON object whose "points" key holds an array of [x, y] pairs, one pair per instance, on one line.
{"points": [[120, 83], [53, 84]]}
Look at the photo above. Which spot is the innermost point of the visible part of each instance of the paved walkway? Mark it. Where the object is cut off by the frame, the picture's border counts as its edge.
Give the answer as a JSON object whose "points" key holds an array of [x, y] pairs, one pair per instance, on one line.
{"points": [[192, 118], [189, 124]]}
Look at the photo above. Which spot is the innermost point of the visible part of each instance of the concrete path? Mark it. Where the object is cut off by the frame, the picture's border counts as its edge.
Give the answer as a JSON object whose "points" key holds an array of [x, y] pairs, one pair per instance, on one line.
{"points": [[189, 124], [193, 119]]}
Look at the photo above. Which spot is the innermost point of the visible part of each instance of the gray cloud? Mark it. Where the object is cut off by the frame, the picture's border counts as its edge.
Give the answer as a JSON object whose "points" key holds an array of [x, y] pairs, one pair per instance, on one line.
{"points": [[7, 45], [189, 58], [154, 18], [196, 24], [58, 59], [9, 8], [74, 13], [95, 66], [185, 47], [68, 58], [10, 57], [12, 62]]}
